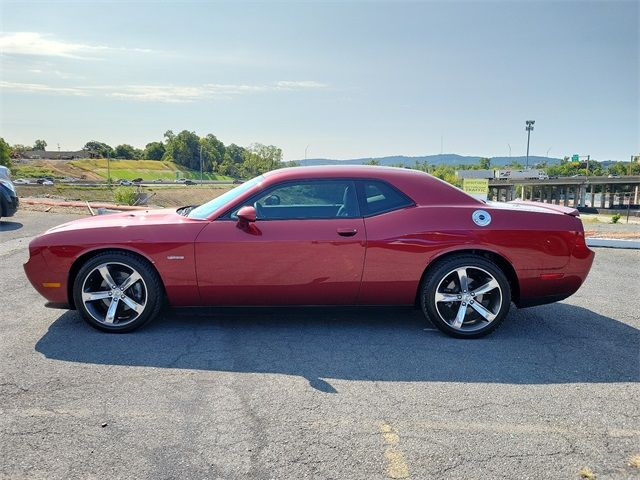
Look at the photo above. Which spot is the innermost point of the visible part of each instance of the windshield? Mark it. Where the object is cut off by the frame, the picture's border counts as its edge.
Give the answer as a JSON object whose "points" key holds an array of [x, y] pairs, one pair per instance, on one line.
{"points": [[205, 210]]}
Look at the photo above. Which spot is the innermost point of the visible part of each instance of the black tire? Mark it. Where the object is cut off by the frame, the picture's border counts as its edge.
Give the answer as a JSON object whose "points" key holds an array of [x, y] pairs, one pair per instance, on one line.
{"points": [[137, 304], [480, 313]]}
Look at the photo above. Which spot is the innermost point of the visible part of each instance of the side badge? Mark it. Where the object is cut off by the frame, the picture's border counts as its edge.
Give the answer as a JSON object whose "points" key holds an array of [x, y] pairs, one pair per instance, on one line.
{"points": [[481, 218]]}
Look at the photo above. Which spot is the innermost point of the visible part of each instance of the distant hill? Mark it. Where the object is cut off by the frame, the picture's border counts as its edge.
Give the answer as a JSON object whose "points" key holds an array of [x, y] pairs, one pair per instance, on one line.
{"points": [[444, 159]]}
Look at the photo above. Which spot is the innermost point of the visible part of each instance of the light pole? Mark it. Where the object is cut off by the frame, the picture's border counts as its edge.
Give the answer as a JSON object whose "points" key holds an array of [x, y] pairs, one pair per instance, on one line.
{"points": [[508, 145], [528, 128], [108, 168], [305, 151], [548, 150], [200, 164]]}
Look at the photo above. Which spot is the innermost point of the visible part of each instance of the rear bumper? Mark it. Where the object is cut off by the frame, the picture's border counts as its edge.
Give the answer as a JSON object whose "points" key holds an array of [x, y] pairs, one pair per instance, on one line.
{"points": [[539, 287]]}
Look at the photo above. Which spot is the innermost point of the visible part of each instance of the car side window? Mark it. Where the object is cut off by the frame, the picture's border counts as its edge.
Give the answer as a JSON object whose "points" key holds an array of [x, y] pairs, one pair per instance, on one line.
{"points": [[317, 199], [380, 197]]}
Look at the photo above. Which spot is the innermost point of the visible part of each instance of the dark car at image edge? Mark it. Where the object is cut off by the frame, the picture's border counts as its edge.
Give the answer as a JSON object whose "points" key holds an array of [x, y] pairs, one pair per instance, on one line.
{"points": [[8, 197]]}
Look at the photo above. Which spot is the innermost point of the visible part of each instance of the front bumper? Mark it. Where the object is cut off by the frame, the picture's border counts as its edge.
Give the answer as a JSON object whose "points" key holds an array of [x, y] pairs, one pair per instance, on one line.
{"points": [[51, 284]]}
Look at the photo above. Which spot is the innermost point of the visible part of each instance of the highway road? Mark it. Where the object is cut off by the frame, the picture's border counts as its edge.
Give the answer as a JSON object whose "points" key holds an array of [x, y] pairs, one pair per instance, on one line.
{"points": [[322, 394]]}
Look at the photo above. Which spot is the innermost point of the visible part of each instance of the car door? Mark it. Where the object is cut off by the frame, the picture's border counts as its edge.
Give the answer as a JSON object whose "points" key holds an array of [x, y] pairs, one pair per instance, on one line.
{"points": [[306, 247]]}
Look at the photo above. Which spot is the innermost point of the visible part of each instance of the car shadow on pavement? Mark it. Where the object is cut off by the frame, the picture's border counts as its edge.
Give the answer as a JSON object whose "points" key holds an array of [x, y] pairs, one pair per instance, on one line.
{"points": [[557, 343], [8, 226]]}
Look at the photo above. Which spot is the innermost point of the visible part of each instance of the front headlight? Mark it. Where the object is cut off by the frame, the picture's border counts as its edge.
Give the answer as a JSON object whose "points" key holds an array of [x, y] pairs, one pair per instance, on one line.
{"points": [[9, 185]]}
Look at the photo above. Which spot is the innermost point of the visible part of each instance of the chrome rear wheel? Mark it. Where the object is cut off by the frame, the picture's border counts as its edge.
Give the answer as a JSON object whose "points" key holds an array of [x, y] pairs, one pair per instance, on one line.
{"points": [[468, 298], [465, 296]]}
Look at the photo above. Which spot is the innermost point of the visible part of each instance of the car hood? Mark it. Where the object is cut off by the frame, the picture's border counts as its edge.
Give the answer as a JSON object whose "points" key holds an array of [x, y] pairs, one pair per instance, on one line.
{"points": [[139, 217]]}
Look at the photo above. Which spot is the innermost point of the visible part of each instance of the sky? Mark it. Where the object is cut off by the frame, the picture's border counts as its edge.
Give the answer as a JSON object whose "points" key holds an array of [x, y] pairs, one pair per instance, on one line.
{"points": [[339, 80]]}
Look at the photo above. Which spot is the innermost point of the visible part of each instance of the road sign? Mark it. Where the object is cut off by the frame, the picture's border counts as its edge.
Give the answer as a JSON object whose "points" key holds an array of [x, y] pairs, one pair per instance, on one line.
{"points": [[575, 157], [476, 187]]}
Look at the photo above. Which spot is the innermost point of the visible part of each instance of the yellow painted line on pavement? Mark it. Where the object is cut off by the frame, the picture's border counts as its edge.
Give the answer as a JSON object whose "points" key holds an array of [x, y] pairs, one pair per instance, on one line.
{"points": [[396, 466]]}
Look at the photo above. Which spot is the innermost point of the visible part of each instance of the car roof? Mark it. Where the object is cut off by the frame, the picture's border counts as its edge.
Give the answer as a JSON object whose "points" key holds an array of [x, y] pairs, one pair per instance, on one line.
{"points": [[423, 188], [347, 171]]}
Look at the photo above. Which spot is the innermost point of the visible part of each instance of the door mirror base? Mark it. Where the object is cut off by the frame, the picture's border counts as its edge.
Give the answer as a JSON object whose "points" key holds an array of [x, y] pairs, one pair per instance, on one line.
{"points": [[246, 215]]}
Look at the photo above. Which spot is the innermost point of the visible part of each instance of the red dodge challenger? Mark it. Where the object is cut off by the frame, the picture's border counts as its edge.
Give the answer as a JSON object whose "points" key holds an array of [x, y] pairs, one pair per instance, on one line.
{"points": [[348, 235]]}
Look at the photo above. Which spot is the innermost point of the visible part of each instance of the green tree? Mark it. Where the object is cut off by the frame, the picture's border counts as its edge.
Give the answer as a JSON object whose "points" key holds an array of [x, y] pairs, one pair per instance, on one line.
{"points": [[5, 153], [622, 168], [485, 163], [212, 153], [124, 151], [98, 149], [154, 151], [447, 173], [39, 145], [259, 159], [422, 166], [372, 162], [232, 161], [183, 148], [18, 149], [516, 165]]}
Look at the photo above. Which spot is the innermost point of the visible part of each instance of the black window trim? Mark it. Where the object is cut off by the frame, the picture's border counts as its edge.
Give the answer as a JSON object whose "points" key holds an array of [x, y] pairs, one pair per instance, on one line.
{"points": [[226, 216]]}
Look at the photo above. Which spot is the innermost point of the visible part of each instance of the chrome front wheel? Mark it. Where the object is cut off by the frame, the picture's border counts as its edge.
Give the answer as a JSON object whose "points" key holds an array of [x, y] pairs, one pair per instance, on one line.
{"points": [[118, 291], [114, 294]]}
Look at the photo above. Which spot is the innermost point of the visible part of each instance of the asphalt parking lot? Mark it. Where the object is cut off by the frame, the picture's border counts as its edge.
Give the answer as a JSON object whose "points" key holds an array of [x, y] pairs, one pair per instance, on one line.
{"points": [[365, 394]]}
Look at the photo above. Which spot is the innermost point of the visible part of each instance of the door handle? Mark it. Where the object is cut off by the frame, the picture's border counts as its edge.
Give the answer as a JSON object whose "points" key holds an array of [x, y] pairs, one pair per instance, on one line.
{"points": [[347, 232]]}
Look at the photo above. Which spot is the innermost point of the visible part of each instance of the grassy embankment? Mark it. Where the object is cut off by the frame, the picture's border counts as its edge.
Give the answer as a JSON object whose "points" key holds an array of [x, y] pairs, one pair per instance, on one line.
{"points": [[160, 195], [97, 169]]}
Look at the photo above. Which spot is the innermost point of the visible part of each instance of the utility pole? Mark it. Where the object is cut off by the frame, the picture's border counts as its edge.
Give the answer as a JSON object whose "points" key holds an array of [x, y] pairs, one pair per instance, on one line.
{"points": [[588, 158], [529, 128], [305, 151], [200, 164], [509, 145], [58, 151]]}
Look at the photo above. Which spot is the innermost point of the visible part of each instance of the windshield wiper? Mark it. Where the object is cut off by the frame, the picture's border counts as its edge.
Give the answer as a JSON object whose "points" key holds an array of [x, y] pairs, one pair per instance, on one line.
{"points": [[184, 211]]}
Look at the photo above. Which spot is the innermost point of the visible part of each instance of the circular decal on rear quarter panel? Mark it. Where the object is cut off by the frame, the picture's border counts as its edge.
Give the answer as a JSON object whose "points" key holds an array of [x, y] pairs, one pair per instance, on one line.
{"points": [[481, 218]]}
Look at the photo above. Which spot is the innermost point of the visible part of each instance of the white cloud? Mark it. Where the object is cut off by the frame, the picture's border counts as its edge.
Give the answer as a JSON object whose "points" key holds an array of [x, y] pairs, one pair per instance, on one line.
{"points": [[41, 88], [307, 84], [166, 93], [34, 43]]}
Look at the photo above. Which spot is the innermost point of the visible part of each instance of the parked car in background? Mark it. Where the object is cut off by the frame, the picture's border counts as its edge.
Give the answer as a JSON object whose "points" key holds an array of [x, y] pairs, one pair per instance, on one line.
{"points": [[353, 235], [137, 180], [189, 182], [125, 183], [21, 181], [9, 201], [47, 182]]}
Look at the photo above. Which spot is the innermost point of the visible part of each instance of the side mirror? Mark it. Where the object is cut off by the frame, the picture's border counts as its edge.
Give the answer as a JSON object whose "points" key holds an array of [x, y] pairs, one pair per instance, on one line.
{"points": [[246, 214]]}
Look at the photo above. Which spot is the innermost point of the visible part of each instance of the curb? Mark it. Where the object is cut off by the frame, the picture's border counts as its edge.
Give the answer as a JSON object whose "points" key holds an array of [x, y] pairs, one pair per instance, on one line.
{"points": [[613, 243], [61, 203]]}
